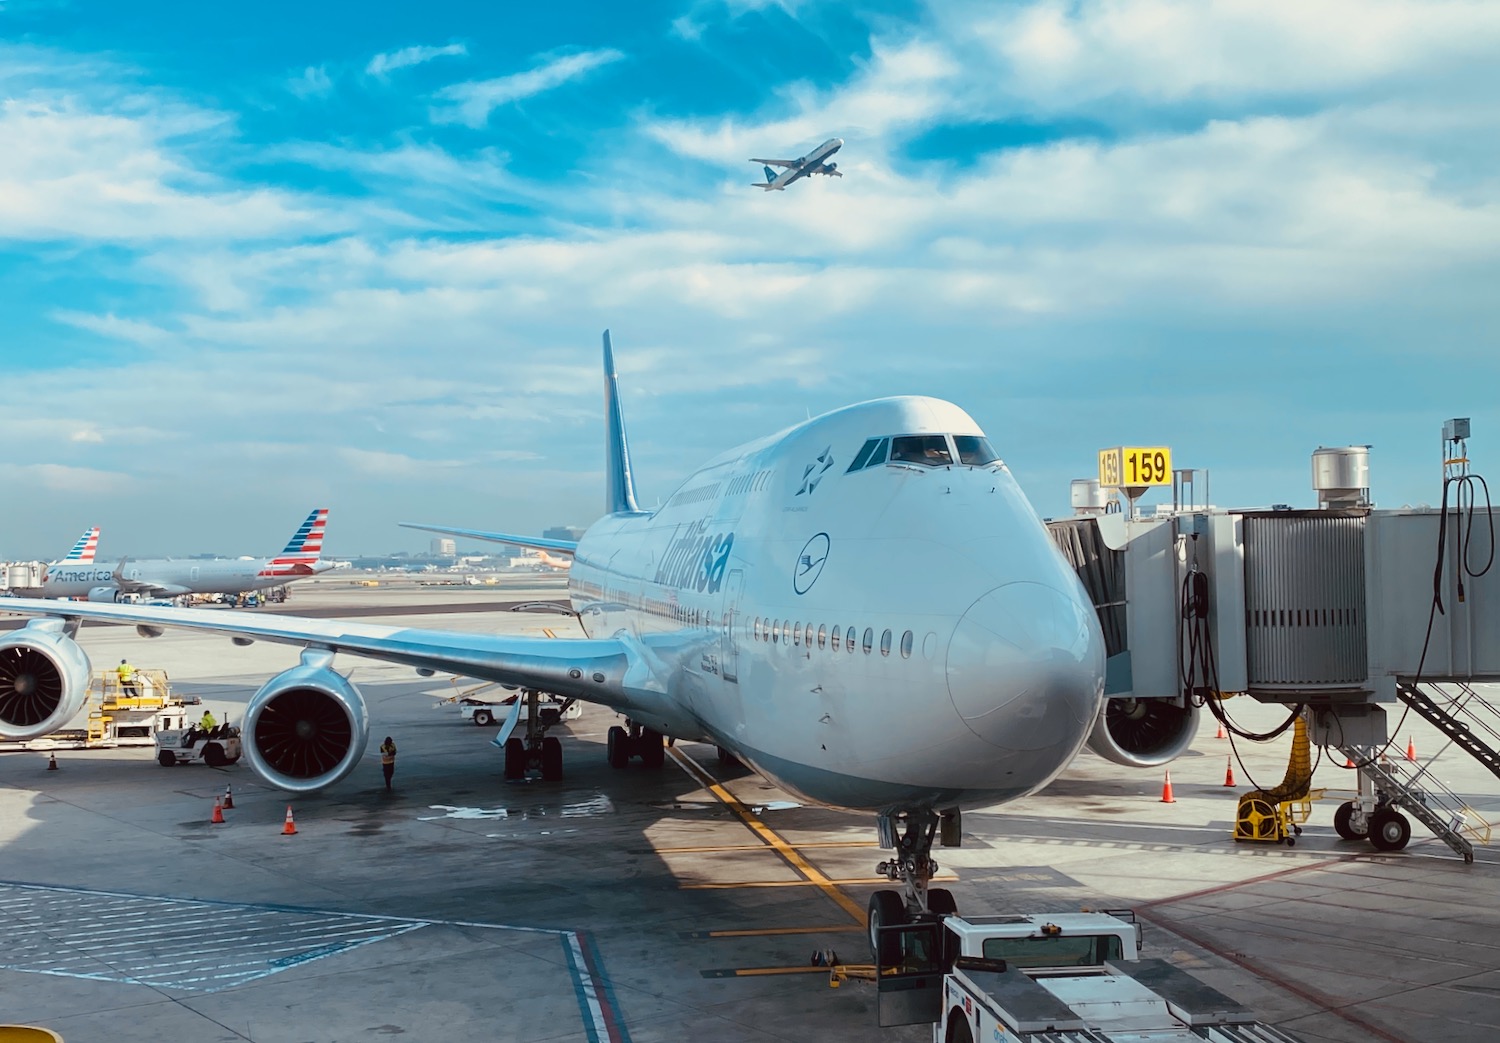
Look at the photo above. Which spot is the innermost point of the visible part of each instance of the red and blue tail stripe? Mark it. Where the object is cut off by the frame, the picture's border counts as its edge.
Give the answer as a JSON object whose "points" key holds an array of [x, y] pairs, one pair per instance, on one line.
{"points": [[83, 551], [308, 541]]}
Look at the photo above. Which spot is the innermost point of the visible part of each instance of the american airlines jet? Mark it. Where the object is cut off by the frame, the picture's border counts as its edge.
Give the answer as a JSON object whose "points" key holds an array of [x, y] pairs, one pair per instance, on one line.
{"points": [[863, 607], [81, 577]]}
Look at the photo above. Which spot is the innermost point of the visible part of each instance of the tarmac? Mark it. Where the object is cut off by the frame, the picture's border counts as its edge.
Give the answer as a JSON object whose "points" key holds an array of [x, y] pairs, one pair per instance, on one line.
{"points": [[643, 906]]}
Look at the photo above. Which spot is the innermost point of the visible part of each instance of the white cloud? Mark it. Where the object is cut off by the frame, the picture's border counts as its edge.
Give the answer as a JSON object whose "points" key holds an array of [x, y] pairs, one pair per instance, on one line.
{"points": [[383, 64], [312, 82], [472, 102], [87, 436]]}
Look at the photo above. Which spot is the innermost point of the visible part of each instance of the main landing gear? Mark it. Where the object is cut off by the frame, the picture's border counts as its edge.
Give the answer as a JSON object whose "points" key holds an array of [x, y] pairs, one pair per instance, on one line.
{"points": [[914, 867], [537, 751], [636, 741]]}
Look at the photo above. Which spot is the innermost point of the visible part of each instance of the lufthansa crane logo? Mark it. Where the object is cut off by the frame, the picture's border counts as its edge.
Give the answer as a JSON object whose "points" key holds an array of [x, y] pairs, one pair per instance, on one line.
{"points": [[810, 563]]}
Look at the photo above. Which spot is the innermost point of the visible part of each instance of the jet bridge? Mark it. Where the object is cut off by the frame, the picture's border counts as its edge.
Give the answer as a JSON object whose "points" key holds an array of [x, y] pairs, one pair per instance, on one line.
{"points": [[1341, 612]]}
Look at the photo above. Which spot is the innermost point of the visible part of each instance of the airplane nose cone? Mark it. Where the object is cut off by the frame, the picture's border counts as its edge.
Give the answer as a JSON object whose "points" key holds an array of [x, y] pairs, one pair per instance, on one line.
{"points": [[1026, 668]]}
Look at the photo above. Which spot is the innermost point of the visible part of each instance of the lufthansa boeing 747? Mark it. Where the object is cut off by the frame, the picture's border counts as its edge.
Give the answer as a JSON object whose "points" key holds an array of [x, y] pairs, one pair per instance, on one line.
{"points": [[863, 607]]}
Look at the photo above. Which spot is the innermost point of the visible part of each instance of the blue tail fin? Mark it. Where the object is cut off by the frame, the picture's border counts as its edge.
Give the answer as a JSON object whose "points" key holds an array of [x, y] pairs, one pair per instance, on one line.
{"points": [[770, 174], [620, 491]]}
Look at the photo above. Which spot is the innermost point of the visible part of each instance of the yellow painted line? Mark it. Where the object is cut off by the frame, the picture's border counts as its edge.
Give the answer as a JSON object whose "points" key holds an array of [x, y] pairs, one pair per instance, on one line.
{"points": [[709, 850], [549, 633], [760, 829], [949, 878], [770, 932]]}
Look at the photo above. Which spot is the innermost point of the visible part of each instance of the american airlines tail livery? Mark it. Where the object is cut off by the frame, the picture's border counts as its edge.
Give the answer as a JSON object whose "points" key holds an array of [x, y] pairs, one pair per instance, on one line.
{"points": [[81, 577], [863, 607]]}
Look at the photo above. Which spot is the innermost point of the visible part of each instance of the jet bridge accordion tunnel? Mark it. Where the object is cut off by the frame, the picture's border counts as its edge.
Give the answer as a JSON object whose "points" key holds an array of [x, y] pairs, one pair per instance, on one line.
{"points": [[1341, 610]]}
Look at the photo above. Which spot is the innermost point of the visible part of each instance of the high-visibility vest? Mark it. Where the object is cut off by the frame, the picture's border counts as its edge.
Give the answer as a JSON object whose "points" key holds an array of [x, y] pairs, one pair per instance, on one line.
{"points": [[126, 672], [387, 753]]}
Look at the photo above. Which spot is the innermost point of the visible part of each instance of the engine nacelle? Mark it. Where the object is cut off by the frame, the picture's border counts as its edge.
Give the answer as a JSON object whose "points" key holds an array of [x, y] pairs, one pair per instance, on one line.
{"points": [[1143, 733], [305, 729], [106, 594], [829, 168], [44, 679]]}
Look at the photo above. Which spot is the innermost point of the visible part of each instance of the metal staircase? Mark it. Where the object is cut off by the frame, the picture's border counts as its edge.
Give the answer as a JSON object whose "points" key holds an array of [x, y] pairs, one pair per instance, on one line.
{"points": [[1415, 790], [1460, 713]]}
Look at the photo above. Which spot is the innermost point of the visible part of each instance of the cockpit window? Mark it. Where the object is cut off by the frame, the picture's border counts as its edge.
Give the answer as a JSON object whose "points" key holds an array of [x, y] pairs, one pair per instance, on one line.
{"points": [[974, 450], [928, 450], [871, 453]]}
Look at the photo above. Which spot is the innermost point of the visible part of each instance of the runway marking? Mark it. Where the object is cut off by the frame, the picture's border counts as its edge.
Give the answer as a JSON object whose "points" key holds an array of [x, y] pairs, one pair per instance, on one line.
{"points": [[824, 882], [771, 837], [202, 945], [716, 848]]}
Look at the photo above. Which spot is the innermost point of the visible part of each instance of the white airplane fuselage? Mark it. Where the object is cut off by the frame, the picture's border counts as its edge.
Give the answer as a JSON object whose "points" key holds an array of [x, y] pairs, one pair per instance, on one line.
{"points": [[169, 577], [976, 669]]}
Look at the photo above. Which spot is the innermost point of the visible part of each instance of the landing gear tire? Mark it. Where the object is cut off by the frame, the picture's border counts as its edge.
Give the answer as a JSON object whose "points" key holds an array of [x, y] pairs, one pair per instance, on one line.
{"points": [[619, 748], [552, 760], [1343, 823], [483, 717], [940, 902], [887, 909], [653, 750], [515, 759], [166, 758], [1389, 830]]}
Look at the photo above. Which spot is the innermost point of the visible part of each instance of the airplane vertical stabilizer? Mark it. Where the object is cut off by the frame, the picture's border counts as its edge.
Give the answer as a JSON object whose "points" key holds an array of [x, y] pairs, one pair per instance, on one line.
{"points": [[620, 491]]}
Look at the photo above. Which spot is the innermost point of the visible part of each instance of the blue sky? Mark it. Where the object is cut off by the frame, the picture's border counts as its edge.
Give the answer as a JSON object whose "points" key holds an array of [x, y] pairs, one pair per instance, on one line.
{"points": [[355, 257]]}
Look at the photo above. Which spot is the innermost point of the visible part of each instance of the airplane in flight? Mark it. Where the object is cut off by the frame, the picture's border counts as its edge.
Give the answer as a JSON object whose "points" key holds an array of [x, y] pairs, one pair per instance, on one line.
{"points": [[815, 162], [82, 577], [863, 607]]}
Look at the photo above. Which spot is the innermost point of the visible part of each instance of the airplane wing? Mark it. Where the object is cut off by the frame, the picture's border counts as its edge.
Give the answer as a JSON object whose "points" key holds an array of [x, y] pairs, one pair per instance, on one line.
{"points": [[540, 543], [779, 162], [618, 672]]}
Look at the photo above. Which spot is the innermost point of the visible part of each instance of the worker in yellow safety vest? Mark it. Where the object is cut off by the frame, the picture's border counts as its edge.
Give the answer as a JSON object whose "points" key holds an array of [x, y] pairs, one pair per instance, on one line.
{"points": [[388, 759], [207, 722], [126, 673]]}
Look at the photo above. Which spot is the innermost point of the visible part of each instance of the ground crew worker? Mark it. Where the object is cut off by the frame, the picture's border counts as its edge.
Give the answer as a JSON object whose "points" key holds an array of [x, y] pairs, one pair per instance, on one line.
{"points": [[126, 674], [207, 722], [388, 759]]}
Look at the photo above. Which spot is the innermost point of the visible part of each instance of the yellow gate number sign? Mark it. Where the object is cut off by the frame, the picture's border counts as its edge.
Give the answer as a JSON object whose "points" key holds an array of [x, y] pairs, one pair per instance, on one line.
{"points": [[1135, 466]]}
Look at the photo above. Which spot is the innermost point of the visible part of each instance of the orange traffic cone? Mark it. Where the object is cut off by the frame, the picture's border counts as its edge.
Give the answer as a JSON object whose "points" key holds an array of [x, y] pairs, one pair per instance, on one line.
{"points": [[1411, 749], [1228, 771], [52, 762], [1221, 733], [218, 811], [290, 829], [228, 797], [1166, 791]]}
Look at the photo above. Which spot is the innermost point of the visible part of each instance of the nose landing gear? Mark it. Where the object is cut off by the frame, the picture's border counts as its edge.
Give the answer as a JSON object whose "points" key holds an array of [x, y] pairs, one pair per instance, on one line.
{"points": [[914, 867]]}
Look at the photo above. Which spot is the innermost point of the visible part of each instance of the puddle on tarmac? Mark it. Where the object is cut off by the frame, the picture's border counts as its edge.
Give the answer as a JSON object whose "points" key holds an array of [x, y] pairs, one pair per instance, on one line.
{"points": [[598, 804]]}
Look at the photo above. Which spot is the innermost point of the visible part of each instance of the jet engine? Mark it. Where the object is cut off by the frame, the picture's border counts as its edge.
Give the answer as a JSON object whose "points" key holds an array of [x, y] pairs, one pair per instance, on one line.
{"points": [[44, 678], [106, 594], [1143, 733], [829, 168], [305, 729]]}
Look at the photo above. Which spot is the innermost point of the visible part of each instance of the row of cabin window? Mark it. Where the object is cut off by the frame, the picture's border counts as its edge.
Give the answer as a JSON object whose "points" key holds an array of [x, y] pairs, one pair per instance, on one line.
{"points": [[799, 634]]}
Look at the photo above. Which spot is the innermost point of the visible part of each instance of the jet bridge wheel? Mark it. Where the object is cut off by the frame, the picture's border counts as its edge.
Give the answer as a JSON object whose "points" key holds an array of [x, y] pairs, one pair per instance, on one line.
{"points": [[1389, 830], [1343, 823]]}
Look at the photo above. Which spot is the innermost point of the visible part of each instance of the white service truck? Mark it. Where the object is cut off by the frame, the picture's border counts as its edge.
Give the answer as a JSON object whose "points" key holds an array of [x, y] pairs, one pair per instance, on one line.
{"points": [[1075, 977]]}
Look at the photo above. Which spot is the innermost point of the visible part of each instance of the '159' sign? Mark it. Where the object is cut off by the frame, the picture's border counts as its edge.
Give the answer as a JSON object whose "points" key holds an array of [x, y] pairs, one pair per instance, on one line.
{"points": [[1126, 466]]}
